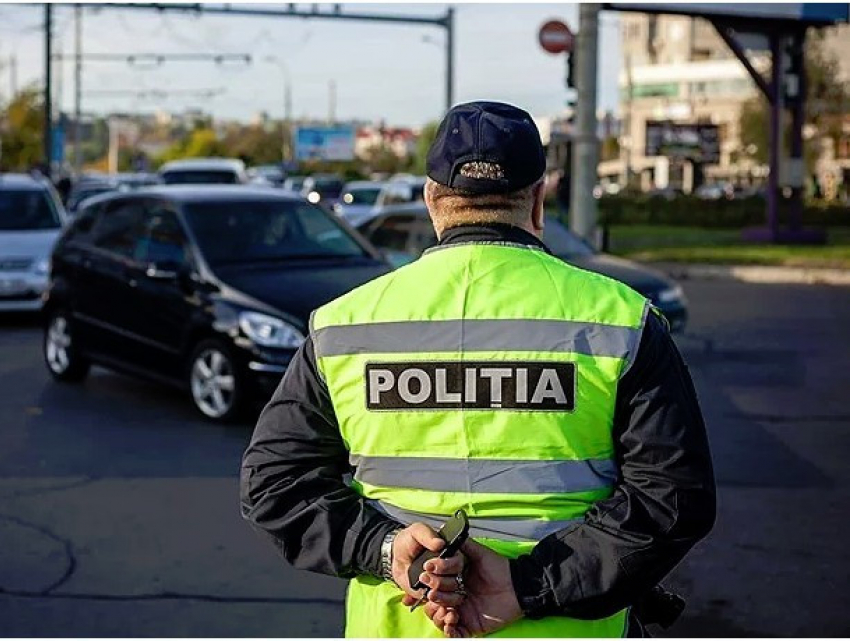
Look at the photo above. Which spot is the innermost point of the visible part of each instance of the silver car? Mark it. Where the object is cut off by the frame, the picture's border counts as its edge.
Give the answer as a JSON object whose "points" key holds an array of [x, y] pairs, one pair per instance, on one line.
{"points": [[31, 218]]}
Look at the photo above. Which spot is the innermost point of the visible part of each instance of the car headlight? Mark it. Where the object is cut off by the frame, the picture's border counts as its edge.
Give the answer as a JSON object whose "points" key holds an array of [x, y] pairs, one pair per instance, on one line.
{"points": [[42, 267], [671, 294], [269, 331], [314, 197]]}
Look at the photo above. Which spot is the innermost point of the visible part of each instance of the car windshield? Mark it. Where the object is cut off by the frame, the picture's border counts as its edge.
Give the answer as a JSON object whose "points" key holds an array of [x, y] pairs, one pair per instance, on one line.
{"points": [[361, 196], [328, 187], [26, 210], [78, 196], [199, 177], [257, 231], [562, 242]]}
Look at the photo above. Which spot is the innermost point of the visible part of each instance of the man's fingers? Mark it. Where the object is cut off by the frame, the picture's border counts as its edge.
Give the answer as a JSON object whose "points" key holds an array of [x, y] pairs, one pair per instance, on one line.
{"points": [[453, 565], [409, 599], [451, 599], [474, 552], [440, 583], [426, 537]]}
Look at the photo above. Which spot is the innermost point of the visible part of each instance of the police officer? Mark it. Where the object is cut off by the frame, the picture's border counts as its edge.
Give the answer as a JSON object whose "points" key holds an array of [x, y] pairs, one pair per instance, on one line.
{"points": [[548, 402]]}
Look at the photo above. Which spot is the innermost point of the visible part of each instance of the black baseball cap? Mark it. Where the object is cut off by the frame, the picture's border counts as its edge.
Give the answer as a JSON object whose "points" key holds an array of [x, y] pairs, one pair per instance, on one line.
{"points": [[493, 132]]}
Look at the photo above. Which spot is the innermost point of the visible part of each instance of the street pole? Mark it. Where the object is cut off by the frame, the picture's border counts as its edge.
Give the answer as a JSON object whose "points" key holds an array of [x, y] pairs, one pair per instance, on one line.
{"points": [[776, 90], [112, 157], [798, 116], [585, 143], [48, 79], [287, 118], [78, 91], [630, 126], [331, 102], [450, 62]]}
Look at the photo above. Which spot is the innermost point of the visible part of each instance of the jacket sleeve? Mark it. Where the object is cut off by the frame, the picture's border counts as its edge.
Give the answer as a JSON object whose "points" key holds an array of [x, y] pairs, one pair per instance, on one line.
{"points": [[293, 481], [663, 504]]}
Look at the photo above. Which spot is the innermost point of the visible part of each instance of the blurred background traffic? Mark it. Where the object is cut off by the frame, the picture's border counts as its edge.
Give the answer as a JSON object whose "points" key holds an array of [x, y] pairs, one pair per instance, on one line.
{"points": [[181, 185]]}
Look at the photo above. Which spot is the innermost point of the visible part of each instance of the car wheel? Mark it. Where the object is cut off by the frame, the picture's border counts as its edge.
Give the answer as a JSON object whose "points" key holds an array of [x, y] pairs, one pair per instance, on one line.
{"points": [[215, 382], [62, 359]]}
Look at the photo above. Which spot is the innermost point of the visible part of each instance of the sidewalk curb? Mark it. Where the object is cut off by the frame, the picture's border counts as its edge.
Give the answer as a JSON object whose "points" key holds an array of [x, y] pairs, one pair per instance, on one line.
{"points": [[757, 274]]}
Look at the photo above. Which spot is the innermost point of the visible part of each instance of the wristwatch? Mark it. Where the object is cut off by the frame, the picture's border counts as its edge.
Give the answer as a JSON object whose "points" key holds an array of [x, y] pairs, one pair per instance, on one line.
{"points": [[387, 555]]}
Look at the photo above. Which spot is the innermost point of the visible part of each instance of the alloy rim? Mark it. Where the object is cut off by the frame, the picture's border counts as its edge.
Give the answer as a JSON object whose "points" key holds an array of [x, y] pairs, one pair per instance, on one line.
{"points": [[212, 383], [58, 345]]}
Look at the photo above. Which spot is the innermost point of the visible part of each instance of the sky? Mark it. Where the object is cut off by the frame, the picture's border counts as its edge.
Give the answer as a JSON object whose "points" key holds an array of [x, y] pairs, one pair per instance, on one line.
{"points": [[381, 71]]}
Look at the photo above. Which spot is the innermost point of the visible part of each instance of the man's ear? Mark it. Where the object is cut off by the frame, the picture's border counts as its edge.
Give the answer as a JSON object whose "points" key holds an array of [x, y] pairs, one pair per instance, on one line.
{"points": [[538, 210]]}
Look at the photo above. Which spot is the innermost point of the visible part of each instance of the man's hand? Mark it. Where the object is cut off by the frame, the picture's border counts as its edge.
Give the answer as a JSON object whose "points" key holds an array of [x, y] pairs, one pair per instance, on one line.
{"points": [[408, 544], [490, 604]]}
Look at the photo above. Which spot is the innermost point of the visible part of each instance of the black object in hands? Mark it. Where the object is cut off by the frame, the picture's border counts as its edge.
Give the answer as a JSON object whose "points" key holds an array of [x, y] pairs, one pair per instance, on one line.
{"points": [[454, 532]]}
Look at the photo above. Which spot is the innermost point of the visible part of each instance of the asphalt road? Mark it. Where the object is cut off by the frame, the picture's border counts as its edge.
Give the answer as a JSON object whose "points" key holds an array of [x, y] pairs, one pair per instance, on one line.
{"points": [[119, 509]]}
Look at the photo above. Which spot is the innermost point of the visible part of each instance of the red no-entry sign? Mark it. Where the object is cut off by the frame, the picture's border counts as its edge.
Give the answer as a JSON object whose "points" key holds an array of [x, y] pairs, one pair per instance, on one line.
{"points": [[556, 37]]}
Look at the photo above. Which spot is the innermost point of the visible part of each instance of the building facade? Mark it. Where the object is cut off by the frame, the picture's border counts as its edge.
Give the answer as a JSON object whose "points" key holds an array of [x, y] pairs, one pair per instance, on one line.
{"points": [[677, 69]]}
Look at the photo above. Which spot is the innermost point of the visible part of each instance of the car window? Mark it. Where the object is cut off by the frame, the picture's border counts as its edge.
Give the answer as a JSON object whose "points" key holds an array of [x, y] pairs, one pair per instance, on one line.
{"points": [[163, 241], [328, 187], [199, 177], [27, 210], [361, 195], [81, 226], [119, 227], [562, 242], [397, 194], [262, 230], [393, 233], [424, 236]]}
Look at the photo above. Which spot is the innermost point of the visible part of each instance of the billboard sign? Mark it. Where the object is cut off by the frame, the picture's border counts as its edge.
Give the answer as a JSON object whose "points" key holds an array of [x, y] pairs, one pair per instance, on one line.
{"points": [[807, 12], [324, 143], [699, 143]]}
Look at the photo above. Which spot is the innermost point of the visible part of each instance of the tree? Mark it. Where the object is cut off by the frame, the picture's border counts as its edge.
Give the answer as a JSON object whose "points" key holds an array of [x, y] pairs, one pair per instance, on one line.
{"points": [[256, 145], [22, 131], [423, 144], [825, 99], [200, 143], [382, 159]]}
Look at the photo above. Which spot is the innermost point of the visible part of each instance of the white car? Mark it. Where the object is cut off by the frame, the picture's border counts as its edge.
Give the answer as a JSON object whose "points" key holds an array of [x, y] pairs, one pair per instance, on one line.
{"points": [[31, 219], [204, 171], [363, 200]]}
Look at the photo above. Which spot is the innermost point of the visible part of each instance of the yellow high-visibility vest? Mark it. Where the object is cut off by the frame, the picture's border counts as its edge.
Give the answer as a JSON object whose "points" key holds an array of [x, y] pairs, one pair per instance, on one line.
{"points": [[482, 376]]}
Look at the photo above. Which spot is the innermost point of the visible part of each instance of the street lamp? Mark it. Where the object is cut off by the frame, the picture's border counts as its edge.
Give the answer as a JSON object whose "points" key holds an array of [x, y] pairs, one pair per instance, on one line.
{"points": [[286, 146]]}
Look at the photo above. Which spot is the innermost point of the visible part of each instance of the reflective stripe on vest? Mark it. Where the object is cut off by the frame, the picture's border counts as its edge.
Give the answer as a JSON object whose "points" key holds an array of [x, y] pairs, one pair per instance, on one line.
{"points": [[501, 476], [591, 339], [481, 377]]}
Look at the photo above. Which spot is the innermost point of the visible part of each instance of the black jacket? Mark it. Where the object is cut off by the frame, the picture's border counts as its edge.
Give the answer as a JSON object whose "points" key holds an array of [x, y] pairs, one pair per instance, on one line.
{"points": [[293, 487]]}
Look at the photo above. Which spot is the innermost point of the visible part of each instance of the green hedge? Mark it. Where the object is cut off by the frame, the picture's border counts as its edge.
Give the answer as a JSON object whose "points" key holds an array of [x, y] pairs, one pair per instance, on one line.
{"points": [[690, 211]]}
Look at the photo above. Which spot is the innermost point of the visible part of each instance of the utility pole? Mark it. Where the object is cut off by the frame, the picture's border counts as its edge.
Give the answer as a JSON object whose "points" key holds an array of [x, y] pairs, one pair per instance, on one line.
{"points": [[331, 102], [450, 64], [630, 87], [13, 74], [48, 79], [585, 143], [78, 91]]}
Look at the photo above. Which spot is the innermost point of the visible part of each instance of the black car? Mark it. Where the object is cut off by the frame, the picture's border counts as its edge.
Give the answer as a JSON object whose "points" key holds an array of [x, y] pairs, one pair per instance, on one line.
{"points": [[209, 288], [403, 235]]}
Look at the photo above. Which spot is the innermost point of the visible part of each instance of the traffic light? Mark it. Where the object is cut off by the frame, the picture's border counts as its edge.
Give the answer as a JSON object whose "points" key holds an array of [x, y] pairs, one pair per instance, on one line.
{"points": [[571, 70]]}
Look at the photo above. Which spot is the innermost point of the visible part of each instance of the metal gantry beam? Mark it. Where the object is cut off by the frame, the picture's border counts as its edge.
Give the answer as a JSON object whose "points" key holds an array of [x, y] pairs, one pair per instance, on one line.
{"points": [[159, 58], [291, 10]]}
